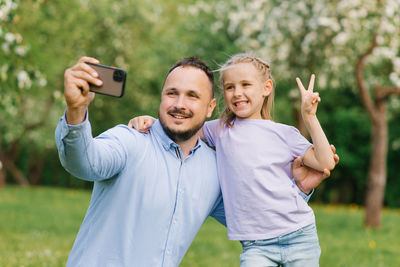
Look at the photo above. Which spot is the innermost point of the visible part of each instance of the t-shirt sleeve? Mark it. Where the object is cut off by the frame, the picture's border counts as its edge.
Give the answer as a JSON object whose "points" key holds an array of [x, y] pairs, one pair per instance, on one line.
{"points": [[297, 143], [210, 131]]}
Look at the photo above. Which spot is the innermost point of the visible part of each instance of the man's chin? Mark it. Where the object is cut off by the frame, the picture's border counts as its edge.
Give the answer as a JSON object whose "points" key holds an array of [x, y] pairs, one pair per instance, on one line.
{"points": [[179, 135]]}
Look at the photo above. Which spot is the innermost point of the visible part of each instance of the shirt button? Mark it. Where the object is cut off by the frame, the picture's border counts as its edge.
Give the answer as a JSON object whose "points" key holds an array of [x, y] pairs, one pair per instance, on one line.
{"points": [[168, 251], [174, 221]]}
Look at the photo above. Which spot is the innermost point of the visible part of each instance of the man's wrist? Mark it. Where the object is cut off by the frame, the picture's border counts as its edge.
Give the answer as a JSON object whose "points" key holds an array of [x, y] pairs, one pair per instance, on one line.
{"points": [[303, 190], [307, 192], [75, 116], [306, 197]]}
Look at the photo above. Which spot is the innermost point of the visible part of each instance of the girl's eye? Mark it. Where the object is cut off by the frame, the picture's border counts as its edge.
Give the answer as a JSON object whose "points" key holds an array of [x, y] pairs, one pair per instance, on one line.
{"points": [[228, 87], [246, 84]]}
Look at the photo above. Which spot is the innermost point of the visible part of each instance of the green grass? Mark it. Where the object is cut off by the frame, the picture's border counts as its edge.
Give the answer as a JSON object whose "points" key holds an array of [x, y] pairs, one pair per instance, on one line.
{"points": [[38, 227]]}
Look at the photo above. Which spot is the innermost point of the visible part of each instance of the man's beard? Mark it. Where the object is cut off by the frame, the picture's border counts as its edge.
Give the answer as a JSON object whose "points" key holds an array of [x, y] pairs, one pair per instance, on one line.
{"points": [[179, 136]]}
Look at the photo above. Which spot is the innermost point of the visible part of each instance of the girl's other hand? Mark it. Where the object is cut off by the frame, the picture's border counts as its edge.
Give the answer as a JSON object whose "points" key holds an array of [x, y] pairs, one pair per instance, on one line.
{"points": [[142, 123]]}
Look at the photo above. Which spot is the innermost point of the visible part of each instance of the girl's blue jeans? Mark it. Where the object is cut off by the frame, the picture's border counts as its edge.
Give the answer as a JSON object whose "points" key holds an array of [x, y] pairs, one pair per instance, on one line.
{"points": [[297, 249]]}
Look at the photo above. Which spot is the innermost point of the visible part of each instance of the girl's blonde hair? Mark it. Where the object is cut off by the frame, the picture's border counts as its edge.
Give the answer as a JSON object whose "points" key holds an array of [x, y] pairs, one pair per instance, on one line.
{"points": [[227, 115]]}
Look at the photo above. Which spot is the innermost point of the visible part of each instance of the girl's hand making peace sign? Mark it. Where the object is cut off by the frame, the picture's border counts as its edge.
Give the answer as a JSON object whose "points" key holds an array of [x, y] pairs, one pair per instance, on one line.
{"points": [[309, 98]]}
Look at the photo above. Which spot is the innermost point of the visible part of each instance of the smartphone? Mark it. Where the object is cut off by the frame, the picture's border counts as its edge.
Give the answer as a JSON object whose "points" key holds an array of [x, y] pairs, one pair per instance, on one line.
{"points": [[113, 80]]}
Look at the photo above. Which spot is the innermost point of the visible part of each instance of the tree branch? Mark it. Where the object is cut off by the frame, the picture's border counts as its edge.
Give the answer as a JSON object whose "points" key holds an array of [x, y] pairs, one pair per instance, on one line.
{"points": [[15, 172], [362, 87], [382, 93], [32, 126]]}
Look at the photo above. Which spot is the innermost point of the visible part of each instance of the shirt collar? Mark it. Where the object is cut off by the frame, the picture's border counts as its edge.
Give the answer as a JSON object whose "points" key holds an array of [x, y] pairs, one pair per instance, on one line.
{"points": [[167, 142]]}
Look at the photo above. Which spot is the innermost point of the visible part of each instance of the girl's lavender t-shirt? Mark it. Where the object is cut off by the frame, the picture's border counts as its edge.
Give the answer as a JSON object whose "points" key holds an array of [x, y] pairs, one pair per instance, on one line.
{"points": [[253, 159]]}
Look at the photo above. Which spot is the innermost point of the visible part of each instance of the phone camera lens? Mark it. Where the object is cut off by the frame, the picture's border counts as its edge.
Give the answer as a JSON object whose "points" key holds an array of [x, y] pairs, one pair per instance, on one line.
{"points": [[118, 76]]}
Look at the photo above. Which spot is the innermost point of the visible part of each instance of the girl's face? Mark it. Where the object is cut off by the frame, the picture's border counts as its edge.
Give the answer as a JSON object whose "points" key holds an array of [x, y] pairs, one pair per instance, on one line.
{"points": [[245, 90]]}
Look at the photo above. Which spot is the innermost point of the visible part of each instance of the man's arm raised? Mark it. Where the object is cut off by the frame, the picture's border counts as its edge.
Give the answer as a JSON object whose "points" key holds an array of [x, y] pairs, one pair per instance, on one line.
{"points": [[80, 154]]}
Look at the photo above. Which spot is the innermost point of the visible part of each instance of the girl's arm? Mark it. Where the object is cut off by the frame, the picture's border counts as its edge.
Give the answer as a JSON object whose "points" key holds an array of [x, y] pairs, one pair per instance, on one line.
{"points": [[141, 123], [320, 156]]}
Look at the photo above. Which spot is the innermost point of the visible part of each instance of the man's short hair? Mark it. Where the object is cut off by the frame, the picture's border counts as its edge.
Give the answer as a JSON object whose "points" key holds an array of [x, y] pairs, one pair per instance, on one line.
{"points": [[197, 63]]}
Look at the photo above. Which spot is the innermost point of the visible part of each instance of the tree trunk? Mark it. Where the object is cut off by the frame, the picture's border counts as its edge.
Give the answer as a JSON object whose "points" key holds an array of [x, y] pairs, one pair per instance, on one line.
{"points": [[377, 172], [36, 170], [2, 177], [377, 112], [15, 172]]}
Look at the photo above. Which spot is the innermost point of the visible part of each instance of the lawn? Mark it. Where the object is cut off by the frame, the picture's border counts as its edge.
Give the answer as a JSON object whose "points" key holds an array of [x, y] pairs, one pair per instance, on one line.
{"points": [[38, 227]]}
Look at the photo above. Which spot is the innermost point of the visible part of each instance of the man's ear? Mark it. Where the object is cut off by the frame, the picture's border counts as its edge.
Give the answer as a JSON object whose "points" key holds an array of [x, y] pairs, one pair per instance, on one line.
{"points": [[210, 107], [268, 87]]}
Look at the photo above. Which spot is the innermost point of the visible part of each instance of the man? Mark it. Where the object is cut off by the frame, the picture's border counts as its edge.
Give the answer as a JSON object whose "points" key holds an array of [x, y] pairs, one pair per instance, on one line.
{"points": [[152, 192]]}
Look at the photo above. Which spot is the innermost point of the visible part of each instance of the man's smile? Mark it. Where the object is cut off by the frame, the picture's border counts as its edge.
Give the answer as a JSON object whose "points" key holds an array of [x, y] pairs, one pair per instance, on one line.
{"points": [[179, 114]]}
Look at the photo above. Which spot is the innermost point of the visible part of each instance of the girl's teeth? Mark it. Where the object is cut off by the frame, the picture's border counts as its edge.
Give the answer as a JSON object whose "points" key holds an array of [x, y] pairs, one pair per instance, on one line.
{"points": [[240, 104]]}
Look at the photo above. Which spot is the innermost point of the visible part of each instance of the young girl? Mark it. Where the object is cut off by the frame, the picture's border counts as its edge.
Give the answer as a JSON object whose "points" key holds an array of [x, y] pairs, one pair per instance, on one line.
{"points": [[263, 207]]}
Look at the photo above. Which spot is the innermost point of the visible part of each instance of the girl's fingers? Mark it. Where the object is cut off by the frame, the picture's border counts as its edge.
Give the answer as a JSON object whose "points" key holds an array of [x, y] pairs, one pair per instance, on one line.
{"points": [[326, 174], [311, 84], [136, 123], [315, 98], [300, 85], [336, 158], [141, 125], [130, 123]]}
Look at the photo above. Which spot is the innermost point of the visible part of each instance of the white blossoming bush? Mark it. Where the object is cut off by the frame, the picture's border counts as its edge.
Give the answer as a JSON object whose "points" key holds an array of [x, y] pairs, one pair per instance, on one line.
{"points": [[300, 37], [19, 79]]}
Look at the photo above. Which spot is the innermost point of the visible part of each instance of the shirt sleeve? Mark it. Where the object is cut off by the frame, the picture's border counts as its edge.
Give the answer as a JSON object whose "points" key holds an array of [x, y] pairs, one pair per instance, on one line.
{"points": [[218, 211], [297, 143], [302, 194], [88, 158], [209, 131]]}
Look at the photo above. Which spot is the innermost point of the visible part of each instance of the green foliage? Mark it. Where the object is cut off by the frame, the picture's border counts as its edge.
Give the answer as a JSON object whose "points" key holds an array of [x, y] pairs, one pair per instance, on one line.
{"points": [[42, 223], [392, 198], [348, 128]]}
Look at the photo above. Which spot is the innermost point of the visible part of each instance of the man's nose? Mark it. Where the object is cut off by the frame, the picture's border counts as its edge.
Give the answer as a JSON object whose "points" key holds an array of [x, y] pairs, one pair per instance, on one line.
{"points": [[180, 102]]}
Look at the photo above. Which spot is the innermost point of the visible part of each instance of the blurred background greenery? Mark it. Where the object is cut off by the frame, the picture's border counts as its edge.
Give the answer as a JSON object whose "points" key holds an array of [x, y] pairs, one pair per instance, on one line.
{"points": [[353, 47]]}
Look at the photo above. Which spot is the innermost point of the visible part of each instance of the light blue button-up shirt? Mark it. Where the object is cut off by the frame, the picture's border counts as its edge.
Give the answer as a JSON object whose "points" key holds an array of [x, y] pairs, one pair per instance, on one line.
{"points": [[147, 203]]}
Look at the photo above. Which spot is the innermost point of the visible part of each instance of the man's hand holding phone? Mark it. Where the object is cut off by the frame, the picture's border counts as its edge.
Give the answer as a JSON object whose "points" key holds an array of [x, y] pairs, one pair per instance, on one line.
{"points": [[86, 78], [76, 89]]}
